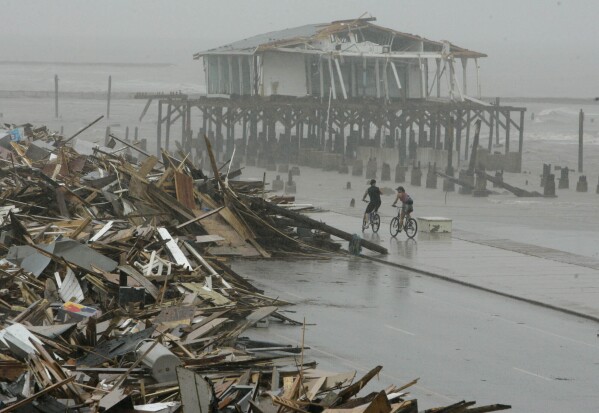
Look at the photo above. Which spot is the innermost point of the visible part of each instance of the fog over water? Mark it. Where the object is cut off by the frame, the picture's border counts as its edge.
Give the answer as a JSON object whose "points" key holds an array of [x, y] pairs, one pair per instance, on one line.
{"points": [[535, 47]]}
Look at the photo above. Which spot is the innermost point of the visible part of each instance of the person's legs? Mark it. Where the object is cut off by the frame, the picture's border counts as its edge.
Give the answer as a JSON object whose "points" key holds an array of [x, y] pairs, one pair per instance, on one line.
{"points": [[369, 209], [402, 215]]}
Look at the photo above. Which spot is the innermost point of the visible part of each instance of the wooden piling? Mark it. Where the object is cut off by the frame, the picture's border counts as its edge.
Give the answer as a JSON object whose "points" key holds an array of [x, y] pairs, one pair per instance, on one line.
{"points": [[507, 132], [521, 139], [159, 129], [468, 120], [167, 132], [188, 131], [497, 121], [491, 118]]}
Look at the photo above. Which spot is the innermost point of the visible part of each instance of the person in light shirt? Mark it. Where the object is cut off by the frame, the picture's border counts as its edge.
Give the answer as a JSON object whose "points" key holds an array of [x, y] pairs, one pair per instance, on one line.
{"points": [[407, 204]]}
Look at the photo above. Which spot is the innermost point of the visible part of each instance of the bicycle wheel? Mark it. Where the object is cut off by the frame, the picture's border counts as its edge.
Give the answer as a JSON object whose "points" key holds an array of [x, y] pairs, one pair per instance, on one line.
{"points": [[411, 227], [376, 222], [365, 223], [394, 227]]}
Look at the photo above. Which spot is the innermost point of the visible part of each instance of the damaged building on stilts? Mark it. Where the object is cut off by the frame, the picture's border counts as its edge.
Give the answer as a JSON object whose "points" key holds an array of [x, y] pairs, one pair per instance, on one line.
{"points": [[344, 95]]}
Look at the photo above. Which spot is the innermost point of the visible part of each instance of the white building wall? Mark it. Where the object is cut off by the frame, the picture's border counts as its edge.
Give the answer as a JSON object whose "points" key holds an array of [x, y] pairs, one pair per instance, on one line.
{"points": [[283, 74], [414, 82]]}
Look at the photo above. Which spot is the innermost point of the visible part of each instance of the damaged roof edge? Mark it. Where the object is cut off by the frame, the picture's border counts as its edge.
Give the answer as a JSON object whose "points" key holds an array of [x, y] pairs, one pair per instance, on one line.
{"points": [[303, 34]]}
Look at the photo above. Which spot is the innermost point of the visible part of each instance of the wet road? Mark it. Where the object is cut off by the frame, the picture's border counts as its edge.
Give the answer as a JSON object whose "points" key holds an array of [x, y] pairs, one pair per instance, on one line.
{"points": [[462, 343]]}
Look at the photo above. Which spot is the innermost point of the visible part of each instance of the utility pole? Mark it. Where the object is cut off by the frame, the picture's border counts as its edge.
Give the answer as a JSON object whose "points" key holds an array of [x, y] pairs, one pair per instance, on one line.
{"points": [[580, 133], [56, 96], [108, 97]]}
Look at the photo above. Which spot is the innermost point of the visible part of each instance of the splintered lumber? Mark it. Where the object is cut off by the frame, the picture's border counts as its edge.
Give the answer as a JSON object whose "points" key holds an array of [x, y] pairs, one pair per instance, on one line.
{"points": [[355, 388], [489, 408], [455, 180], [514, 190], [29, 399], [458, 407], [184, 189], [311, 223], [196, 393], [199, 218], [83, 129], [472, 164], [155, 283]]}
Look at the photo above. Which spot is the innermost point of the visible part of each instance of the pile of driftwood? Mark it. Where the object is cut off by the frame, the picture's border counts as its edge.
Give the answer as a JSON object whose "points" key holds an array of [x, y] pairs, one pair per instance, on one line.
{"points": [[114, 294]]}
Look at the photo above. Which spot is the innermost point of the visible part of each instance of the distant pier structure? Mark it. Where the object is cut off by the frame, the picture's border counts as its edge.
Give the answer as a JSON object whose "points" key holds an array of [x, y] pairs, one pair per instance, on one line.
{"points": [[347, 90]]}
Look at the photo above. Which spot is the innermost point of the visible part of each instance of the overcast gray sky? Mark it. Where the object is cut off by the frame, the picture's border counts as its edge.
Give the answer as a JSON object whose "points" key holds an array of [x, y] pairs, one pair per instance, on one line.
{"points": [[535, 47]]}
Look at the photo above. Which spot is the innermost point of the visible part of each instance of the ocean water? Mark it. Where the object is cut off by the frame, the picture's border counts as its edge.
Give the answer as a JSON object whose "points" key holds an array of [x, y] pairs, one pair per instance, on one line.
{"points": [[551, 125], [186, 77]]}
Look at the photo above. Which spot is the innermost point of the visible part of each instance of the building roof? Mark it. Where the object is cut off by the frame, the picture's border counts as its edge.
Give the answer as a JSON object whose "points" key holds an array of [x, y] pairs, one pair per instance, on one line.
{"points": [[306, 35], [250, 44]]}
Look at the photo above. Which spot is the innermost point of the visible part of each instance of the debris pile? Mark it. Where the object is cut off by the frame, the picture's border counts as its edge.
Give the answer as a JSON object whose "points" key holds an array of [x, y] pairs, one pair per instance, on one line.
{"points": [[115, 295]]}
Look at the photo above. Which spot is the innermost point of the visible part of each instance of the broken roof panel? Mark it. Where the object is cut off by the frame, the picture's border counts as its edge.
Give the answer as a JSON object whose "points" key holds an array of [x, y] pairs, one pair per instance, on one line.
{"points": [[313, 32], [247, 46], [32, 260]]}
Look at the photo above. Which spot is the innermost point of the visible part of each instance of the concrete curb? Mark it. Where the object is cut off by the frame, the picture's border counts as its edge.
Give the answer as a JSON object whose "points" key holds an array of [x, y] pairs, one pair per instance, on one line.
{"points": [[478, 287]]}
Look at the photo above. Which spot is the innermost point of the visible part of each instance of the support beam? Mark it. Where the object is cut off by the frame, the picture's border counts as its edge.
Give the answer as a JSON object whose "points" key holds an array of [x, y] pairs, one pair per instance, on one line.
{"points": [[426, 81], [167, 134], [377, 78], [468, 121], [188, 132], [395, 75], [321, 77], [465, 76], [332, 76], [521, 135], [341, 82], [496, 112], [491, 128], [230, 63], [386, 80], [353, 83], [159, 130], [507, 132], [438, 77], [477, 78], [240, 65]]}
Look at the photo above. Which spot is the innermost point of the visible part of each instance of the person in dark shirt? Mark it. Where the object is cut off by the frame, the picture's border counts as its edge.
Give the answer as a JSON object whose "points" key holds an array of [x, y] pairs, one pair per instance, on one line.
{"points": [[374, 194], [407, 204]]}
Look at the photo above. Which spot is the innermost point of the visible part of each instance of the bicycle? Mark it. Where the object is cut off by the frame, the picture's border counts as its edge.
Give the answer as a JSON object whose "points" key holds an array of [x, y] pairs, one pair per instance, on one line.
{"points": [[410, 225], [373, 220]]}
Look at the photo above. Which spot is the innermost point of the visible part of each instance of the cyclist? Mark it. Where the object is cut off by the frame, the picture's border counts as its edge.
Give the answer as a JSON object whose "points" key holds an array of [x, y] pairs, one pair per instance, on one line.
{"points": [[407, 204], [374, 193]]}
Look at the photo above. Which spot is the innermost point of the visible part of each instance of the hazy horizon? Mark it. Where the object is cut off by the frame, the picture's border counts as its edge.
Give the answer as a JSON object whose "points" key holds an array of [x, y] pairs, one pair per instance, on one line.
{"points": [[536, 48]]}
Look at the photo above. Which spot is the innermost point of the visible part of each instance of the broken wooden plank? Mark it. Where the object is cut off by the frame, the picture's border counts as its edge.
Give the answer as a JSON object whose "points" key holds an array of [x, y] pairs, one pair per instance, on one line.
{"points": [[173, 248], [141, 279], [29, 399], [199, 218], [184, 189], [196, 393], [311, 223]]}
